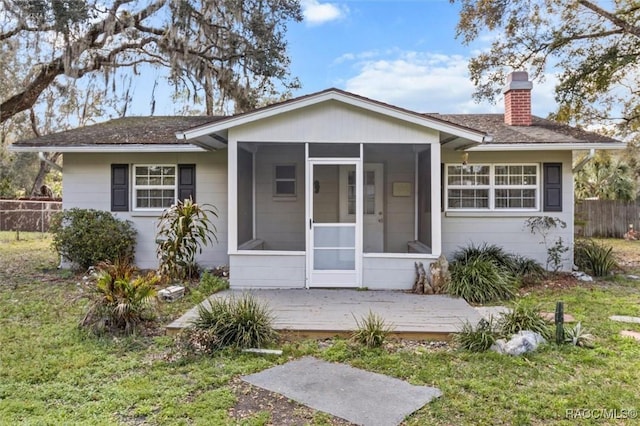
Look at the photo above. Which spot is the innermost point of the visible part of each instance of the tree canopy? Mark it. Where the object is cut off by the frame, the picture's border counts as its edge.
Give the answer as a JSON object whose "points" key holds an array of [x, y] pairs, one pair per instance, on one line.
{"points": [[594, 45], [229, 50]]}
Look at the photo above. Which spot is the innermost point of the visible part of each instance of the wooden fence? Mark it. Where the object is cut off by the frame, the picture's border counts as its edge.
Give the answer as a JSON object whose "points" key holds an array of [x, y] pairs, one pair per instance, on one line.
{"points": [[27, 215], [606, 218]]}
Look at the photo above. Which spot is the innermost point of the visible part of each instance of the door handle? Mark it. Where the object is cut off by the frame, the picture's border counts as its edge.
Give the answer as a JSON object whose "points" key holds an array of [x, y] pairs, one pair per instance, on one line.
{"points": [[310, 223]]}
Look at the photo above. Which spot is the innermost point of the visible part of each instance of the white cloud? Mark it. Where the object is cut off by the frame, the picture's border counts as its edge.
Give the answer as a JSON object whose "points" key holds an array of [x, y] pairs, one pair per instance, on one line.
{"points": [[316, 13], [430, 82]]}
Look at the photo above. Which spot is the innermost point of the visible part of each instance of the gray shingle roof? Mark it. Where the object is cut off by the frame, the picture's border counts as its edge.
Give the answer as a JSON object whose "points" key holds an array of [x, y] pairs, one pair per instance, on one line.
{"points": [[122, 131], [541, 130]]}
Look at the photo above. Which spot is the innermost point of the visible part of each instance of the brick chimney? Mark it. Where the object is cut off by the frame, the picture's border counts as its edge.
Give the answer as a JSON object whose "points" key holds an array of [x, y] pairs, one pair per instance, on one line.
{"points": [[517, 99]]}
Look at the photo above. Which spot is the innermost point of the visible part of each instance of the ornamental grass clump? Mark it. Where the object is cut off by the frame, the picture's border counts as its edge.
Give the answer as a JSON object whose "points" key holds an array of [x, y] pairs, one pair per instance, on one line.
{"points": [[476, 339], [486, 273], [237, 322], [524, 316], [371, 330], [596, 259]]}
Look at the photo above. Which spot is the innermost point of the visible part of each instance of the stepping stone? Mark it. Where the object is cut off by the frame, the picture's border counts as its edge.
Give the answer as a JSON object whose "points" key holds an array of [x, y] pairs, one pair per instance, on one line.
{"points": [[632, 334], [624, 318], [359, 396], [551, 316]]}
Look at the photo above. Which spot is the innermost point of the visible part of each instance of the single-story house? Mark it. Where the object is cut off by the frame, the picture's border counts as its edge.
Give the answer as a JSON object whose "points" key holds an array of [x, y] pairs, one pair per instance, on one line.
{"points": [[333, 189]]}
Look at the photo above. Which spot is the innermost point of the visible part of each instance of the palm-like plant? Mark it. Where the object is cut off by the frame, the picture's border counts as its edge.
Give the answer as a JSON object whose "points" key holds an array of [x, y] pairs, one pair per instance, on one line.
{"points": [[182, 231], [606, 179]]}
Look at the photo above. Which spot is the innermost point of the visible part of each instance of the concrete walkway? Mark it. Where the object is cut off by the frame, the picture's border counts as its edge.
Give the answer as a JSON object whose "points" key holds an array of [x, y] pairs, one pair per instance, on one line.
{"points": [[359, 396]]}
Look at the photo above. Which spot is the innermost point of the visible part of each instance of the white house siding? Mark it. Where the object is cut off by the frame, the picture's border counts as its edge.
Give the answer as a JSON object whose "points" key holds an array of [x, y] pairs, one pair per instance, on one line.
{"points": [[391, 273], [267, 271], [87, 180], [332, 122], [507, 229]]}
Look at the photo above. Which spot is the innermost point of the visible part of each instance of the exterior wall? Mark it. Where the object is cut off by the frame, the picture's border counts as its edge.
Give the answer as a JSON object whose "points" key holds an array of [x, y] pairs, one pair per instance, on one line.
{"points": [[267, 271], [280, 221], [506, 229], [332, 122], [391, 273], [86, 183]]}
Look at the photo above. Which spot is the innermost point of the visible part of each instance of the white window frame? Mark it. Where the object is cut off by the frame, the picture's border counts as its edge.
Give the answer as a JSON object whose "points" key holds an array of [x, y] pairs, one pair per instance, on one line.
{"points": [[294, 180], [135, 187], [492, 187]]}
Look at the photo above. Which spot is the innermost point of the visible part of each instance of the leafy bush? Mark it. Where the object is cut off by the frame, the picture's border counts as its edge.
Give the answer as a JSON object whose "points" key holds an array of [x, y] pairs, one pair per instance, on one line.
{"points": [[118, 301], [481, 280], [492, 252], [594, 258], [197, 340], [371, 330], [182, 231], [524, 316], [86, 237], [478, 339], [528, 270], [238, 322]]}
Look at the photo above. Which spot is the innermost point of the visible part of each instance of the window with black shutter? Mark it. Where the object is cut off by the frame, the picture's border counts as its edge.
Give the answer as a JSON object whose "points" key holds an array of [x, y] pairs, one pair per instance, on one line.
{"points": [[119, 187], [186, 181], [552, 184]]}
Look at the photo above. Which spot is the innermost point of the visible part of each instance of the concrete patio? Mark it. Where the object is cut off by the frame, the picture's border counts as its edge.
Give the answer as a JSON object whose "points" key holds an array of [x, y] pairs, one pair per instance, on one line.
{"points": [[327, 313]]}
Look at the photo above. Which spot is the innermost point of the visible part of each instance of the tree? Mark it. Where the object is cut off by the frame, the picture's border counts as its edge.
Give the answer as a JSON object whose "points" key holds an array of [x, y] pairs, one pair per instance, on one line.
{"points": [[606, 178], [595, 47], [235, 51]]}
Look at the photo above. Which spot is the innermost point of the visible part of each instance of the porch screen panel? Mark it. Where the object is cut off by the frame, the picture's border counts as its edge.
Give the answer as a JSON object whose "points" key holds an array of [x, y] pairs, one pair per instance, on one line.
{"points": [[334, 246]]}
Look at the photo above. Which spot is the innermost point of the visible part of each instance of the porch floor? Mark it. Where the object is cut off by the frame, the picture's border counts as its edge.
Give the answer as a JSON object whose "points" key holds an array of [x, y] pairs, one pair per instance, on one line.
{"points": [[300, 313]]}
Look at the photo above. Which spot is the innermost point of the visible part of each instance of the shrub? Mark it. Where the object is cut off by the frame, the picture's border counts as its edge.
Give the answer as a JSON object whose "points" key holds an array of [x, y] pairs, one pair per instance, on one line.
{"points": [[371, 330], [594, 258], [238, 322], [492, 252], [208, 285], [528, 270], [478, 339], [117, 300], [182, 231], [86, 237], [524, 316], [481, 280]]}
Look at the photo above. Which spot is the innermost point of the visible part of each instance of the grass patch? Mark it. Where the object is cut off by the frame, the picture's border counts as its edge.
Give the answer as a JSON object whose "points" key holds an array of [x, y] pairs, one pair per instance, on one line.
{"points": [[52, 373]]}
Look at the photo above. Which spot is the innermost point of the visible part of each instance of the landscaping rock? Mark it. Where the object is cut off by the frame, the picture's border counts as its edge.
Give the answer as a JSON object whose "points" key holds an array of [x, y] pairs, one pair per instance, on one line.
{"points": [[172, 293], [550, 316], [624, 318], [632, 334], [520, 343], [581, 276], [632, 277]]}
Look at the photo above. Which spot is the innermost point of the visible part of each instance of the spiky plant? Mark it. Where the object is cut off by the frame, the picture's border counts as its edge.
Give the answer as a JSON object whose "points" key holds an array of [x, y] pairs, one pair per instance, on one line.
{"points": [[371, 330], [524, 316], [597, 259], [476, 339], [579, 336], [238, 322], [481, 280]]}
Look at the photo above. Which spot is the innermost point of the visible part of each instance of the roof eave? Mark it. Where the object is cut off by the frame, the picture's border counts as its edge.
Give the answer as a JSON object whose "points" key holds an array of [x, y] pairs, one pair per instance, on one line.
{"points": [[574, 146], [108, 148]]}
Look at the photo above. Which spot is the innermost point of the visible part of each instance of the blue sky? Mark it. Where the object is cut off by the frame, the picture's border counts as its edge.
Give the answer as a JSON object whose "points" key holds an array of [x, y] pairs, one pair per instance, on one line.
{"points": [[403, 52]]}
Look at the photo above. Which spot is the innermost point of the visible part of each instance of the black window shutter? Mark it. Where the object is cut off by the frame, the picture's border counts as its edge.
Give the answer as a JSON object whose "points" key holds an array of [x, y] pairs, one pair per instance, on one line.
{"points": [[119, 187], [442, 187], [186, 181], [552, 184]]}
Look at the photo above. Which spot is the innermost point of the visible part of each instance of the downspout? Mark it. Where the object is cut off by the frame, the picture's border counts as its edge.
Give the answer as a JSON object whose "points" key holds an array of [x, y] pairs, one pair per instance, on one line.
{"points": [[585, 160], [42, 157]]}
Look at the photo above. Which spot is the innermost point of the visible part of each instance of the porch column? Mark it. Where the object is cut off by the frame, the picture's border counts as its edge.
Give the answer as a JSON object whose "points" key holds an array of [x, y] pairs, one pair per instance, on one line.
{"points": [[436, 200], [232, 196]]}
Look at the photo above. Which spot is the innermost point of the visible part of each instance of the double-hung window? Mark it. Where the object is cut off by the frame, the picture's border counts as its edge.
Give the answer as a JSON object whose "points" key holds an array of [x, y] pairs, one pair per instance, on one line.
{"points": [[154, 186], [492, 187]]}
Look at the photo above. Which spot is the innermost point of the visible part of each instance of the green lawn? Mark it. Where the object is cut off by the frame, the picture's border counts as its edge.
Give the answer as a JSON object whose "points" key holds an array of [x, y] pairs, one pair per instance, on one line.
{"points": [[52, 373]]}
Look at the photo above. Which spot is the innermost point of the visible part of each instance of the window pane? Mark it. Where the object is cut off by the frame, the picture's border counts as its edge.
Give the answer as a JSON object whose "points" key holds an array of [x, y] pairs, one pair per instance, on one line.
{"points": [[468, 198], [285, 187], [334, 259], [515, 198], [286, 172], [334, 236]]}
